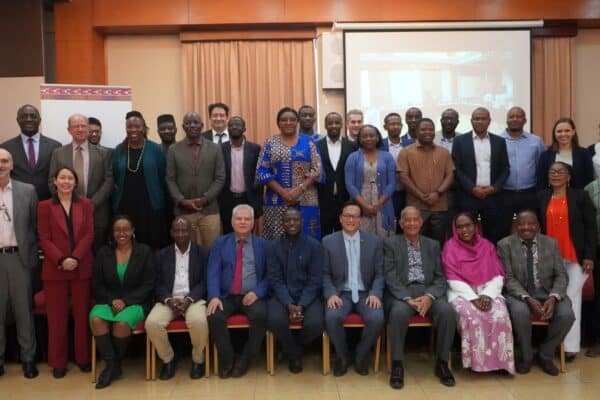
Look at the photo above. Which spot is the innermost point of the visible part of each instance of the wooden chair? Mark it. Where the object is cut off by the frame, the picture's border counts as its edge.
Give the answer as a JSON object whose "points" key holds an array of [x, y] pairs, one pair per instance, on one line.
{"points": [[271, 342], [416, 321], [353, 320], [541, 322]]}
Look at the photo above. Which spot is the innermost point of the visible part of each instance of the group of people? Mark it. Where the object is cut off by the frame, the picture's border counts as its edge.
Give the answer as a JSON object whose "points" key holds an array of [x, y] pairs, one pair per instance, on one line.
{"points": [[424, 221]]}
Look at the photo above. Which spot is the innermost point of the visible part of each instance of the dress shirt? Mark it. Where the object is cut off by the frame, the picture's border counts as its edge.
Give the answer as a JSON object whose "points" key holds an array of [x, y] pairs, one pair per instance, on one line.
{"points": [[415, 264], [85, 153], [7, 228], [523, 155], [335, 151], [394, 149], [564, 156], [440, 140], [540, 292], [238, 184], [225, 134], [347, 239], [315, 136], [248, 265], [483, 159], [181, 286], [36, 145]]}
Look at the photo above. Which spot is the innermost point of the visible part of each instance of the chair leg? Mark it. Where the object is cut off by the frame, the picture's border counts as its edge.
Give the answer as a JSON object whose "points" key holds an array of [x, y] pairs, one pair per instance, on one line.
{"points": [[563, 367], [207, 359], [268, 352], [326, 354], [271, 352], [431, 341], [153, 361], [377, 353], [216, 358], [388, 353], [149, 354], [93, 372]]}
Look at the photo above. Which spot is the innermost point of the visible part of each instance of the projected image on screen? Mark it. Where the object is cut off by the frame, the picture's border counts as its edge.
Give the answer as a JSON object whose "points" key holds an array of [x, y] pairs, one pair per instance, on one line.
{"points": [[392, 71]]}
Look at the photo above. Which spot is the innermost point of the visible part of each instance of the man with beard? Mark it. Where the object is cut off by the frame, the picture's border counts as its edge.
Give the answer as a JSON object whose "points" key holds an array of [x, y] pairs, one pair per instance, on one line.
{"points": [[167, 130], [306, 115], [412, 116]]}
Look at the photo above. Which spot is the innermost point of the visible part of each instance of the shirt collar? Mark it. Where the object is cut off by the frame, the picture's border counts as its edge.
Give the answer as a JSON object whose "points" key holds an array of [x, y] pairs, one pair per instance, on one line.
{"points": [[248, 239], [348, 237], [332, 143], [523, 135], [187, 250], [487, 135], [36, 137], [225, 132], [8, 185], [534, 240], [84, 146]]}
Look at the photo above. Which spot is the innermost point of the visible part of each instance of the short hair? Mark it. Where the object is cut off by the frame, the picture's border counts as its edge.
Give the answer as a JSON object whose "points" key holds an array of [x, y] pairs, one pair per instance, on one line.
{"points": [[94, 121], [284, 110], [355, 111], [305, 106], [22, 108], [179, 219], [528, 211], [423, 120], [212, 106], [134, 113], [240, 207], [165, 118], [78, 115], [329, 114], [410, 208], [351, 203], [392, 114]]}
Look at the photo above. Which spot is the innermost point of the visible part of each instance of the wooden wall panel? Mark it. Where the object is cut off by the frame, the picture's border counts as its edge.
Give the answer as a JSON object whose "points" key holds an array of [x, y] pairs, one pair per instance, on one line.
{"points": [[140, 12], [235, 12]]}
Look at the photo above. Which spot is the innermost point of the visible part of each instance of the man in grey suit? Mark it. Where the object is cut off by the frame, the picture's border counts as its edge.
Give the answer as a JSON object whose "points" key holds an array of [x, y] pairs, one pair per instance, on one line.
{"points": [[31, 151], [352, 281], [18, 256], [195, 176], [536, 286], [93, 166], [415, 284]]}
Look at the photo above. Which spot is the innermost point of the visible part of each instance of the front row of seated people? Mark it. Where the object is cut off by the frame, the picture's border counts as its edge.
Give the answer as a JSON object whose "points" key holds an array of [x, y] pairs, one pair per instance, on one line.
{"points": [[390, 280]]}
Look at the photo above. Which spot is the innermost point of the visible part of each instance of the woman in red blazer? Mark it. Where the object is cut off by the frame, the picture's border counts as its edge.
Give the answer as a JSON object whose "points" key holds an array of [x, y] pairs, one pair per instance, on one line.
{"points": [[66, 233]]}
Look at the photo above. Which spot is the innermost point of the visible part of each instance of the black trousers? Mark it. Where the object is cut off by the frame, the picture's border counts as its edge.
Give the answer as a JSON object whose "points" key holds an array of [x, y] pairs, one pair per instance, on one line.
{"points": [[330, 216], [595, 323], [513, 202], [491, 213], [228, 201]]}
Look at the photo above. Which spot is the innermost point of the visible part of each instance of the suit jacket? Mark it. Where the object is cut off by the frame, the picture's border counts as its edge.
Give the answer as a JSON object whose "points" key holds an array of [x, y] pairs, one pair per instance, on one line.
{"points": [[395, 263], [21, 171], [187, 180], [327, 200], [55, 241], [221, 265], [208, 135], [100, 178], [335, 267], [583, 168], [25, 204], [253, 190], [138, 283], [463, 154], [551, 270], [582, 220], [165, 272]]}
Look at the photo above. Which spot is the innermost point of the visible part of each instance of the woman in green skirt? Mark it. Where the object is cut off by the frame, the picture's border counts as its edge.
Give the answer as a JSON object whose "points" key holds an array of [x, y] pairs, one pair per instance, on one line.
{"points": [[123, 284]]}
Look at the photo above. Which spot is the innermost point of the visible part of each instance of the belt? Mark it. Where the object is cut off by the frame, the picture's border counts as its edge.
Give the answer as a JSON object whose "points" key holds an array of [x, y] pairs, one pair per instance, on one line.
{"points": [[528, 190], [238, 195], [9, 250]]}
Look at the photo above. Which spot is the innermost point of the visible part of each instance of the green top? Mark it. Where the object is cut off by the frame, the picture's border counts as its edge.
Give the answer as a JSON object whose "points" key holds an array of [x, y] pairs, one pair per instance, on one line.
{"points": [[121, 268]]}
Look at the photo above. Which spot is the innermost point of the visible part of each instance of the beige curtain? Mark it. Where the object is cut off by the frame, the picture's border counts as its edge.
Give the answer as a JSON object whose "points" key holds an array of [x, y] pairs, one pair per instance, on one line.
{"points": [[255, 78], [552, 82]]}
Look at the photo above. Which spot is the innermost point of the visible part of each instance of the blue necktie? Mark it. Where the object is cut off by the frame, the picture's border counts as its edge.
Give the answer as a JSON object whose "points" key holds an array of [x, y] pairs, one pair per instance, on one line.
{"points": [[354, 270]]}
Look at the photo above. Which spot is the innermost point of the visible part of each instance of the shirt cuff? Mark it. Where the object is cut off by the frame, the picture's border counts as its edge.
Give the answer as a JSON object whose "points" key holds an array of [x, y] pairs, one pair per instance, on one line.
{"points": [[556, 296], [430, 295], [407, 298], [167, 300]]}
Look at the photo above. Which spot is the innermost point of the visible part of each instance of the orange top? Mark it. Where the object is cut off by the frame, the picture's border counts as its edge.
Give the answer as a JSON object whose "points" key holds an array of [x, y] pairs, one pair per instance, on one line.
{"points": [[557, 226]]}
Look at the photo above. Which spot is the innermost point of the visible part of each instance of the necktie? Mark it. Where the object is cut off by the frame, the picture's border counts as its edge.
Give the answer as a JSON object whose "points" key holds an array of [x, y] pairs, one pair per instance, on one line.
{"points": [[220, 135], [31, 154], [236, 285], [530, 280], [78, 167], [354, 270]]}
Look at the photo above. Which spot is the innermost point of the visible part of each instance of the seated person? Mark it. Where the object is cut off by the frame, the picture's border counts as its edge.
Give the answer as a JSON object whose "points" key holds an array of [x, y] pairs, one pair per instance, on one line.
{"points": [[180, 292], [237, 283], [294, 272], [352, 281], [415, 284], [475, 279], [123, 285], [536, 287]]}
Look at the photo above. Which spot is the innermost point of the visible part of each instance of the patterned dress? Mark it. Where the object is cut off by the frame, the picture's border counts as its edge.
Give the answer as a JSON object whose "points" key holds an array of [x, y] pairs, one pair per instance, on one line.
{"points": [[370, 193], [289, 166]]}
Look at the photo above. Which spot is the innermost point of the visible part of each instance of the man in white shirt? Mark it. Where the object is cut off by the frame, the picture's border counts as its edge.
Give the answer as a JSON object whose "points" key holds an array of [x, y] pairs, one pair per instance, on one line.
{"points": [[354, 121], [218, 115]]}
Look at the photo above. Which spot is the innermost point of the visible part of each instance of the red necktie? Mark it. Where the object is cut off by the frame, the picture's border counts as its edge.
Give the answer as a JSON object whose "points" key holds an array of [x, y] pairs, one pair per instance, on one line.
{"points": [[31, 154], [236, 285]]}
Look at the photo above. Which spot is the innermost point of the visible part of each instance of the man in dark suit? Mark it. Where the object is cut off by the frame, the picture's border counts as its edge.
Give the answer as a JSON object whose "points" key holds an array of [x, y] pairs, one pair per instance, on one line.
{"points": [[332, 194], [218, 113], [180, 293], [536, 286], [240, 157], [94, 171], [295, 268], [237, 283], [18, 256], [415, 284], [31, 151], [481, 167], [352, 281]]}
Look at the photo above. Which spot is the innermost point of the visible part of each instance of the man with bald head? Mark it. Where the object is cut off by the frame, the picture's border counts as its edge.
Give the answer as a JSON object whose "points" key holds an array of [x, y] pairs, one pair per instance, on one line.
{"points": [[93, 166], [31, 151], [195, 177]]}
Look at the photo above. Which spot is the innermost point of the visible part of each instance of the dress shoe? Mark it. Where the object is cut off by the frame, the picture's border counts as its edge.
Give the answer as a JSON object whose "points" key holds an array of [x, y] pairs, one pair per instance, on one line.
{"points": [[570, 357], [1, 370], [111, 372], [523, 366], [593, 351], [547, 366], [197, 370], [443, 372], [361, 367], [30, 371], [168, 370], [85, 367], [340, 367], [240, 368], [59, 373], [295, 365], [397, 378]]}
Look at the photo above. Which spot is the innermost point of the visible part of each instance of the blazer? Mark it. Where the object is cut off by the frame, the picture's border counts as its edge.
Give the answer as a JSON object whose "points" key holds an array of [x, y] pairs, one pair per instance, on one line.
{"points": [[551, 270], [395, 264], [582, 220], [254, 192], [583, 168], [25, 204], [21, 171], [153, 163], [294, 269], [221, 265], [187, 180], [165, 273], [100, 178], [327, 200], [463, 155], [335, 266], [138, 283], [55, 241]]}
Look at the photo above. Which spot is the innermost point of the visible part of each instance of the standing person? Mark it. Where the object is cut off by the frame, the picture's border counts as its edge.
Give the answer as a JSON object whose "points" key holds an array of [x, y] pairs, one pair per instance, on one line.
{"points": [[567, 215], [393, 144], [593, 190], [218, 114], [354, 120], [370, 181], [475, 279], [123, 284], [290, 166], [412, 116], [482, 167], [594, 150], [66, 233], [167, 130], [306, 116], [240, 157], [18, 257], [139, 177], [565, 147], [31, 151], [449, 121], [95, 130], [334, 151]]}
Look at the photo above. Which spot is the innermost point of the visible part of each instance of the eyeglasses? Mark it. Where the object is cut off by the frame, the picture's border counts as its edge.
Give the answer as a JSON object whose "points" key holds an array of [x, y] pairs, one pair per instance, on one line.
{"points": [[558, 172], [350, 216], [464, 226], [5, 214]]}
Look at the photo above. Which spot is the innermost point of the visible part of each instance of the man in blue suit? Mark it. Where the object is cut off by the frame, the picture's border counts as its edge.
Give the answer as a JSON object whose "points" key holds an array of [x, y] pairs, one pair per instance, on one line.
{"points": [[353, 281], [237, 283]]}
